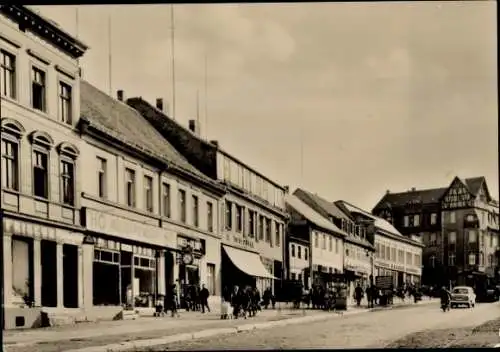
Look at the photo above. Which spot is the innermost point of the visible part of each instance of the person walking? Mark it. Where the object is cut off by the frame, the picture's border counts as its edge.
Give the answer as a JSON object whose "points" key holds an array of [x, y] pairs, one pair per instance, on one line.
{"points": [[204, 294], [172, 301], [358, 294]]}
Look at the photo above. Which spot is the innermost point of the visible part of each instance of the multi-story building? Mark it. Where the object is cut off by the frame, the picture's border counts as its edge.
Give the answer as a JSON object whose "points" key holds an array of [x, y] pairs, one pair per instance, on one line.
{"points": [[253, 214], [41, 161], [357, 250], [315, 246], [395, 255], [151, 217], [458, 226]]}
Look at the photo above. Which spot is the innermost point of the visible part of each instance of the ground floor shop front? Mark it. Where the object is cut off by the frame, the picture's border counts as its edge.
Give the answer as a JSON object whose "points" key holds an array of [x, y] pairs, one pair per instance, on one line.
{"points": [[400, 275]]}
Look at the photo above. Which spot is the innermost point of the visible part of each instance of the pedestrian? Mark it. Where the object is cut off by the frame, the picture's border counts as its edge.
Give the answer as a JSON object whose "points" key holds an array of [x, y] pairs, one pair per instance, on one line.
{"points": [[172, 300], [204, 294], [358, 294], [235, 301]]}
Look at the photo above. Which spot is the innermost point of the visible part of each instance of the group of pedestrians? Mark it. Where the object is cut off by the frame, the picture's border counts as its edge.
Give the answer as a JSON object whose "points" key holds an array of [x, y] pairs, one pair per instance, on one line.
{"points": [[196, 299], [246, 301]]}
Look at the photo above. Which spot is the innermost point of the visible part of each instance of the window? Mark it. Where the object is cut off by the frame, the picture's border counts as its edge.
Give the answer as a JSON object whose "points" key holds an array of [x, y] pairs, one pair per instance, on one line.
{"points": [[293, 276], [130, 187], [452, 237], [65, 103], [472, 236], [323, 241], [299, 252], [490, 260], [337, 245], [101, 177], [182, 205], [8, 74], [38, 89], [416, 220], [316, 240], [227, 169], [40, 174], [148, 193], [261, 228], [406, 221], [481, 259], [239, 218], [433, 239], [408, 258], [416, 260], [451, 259], [268, 230], [388, 253], [211, 278], [67, 182], [293, 250], [330, 243], [472, 259], [10, 165], [306, 253], [251, 223], [433, 219], [453, 218], [166, 200], [210, 217], [393, 254], [277, 233], [432, 261], [299, 277], [196, 212], [401, 256], [229, 215]]}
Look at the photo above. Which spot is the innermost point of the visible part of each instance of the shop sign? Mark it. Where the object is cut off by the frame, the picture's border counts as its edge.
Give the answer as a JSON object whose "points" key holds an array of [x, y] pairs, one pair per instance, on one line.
{"points": [[113, 225], [412, 270], [245, 242], [391, 266]]}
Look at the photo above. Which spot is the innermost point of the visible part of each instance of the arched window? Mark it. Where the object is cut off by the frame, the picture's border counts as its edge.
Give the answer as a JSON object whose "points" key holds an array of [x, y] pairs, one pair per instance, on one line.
{"points": [[67, 156], [12, 132], [41, 145]]}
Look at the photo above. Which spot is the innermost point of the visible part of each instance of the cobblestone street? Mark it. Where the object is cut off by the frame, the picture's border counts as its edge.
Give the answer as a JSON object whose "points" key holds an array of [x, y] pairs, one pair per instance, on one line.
{"points": [[373, 330]]}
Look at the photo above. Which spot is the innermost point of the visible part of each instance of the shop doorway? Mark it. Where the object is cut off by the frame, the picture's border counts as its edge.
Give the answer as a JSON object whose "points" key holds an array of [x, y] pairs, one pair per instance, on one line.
{"points": [[169, 270], [232, 276], [49, 273], [70, 275], [22, 275]]}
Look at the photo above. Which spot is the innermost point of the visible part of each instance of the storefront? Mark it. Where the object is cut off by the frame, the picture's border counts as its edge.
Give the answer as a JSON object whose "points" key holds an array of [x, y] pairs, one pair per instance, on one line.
{"points": [[396, 271], [130, 256], [42, 270]]}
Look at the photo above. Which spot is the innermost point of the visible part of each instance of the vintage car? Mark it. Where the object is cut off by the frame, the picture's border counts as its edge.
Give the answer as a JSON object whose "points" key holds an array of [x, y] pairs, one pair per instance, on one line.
{"points": [[462, 295]]}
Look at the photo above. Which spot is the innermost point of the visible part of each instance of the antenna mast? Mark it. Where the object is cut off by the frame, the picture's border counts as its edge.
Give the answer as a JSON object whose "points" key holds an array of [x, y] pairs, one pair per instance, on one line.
{"points": [[172, 43], [206, 96], [110, 71]]}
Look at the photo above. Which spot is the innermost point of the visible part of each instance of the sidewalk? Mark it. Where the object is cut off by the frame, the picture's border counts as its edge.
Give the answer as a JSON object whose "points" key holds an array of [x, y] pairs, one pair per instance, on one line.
{"points": [[191, 324]]}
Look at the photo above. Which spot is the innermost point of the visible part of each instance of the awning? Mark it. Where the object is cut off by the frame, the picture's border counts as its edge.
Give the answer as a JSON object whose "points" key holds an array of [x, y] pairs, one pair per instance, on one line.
{"points": [[248, 262]]}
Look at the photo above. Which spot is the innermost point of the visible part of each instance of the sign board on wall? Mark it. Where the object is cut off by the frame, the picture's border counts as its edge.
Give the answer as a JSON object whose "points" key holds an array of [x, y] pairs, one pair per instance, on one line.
{"points": [[105, 223], [241, 242], [457, 197]]}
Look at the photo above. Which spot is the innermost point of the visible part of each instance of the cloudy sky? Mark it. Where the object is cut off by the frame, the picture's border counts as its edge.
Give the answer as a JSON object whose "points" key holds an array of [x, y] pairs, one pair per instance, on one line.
{"points": [[383, 95]]}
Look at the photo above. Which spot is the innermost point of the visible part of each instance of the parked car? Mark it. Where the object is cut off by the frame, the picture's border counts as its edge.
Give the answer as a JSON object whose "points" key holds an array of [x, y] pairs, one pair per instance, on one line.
{"points": [[463, 295]]}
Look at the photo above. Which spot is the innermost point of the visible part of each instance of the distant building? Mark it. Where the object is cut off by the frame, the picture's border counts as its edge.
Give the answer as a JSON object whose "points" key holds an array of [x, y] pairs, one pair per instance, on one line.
{"points": [[315, 248], [254, 215], [395, 254], [41, 161], [458, 225]]}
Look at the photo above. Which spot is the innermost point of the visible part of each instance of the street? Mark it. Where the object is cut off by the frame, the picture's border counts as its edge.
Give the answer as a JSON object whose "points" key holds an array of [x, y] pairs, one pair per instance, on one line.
{"points": [[372, 330]]}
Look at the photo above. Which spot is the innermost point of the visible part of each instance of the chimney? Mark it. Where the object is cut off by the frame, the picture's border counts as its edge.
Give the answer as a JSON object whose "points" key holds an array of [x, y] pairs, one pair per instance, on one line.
{"points": [[387, 192], [159, 104], [215, 143], [194, 127], [413, 189], [287, 189], [119, 95]]}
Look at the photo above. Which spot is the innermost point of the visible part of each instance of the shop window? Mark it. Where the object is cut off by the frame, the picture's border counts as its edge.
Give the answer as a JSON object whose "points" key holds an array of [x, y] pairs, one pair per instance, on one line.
{"points": [[12, 132], [211, 278]]}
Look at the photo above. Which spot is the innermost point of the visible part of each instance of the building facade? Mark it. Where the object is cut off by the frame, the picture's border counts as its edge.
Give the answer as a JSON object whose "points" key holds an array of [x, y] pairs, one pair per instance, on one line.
{"points": [[458, 225], [40, 150], [395, 254], [151, 216], [253, 214], [315, 245]]}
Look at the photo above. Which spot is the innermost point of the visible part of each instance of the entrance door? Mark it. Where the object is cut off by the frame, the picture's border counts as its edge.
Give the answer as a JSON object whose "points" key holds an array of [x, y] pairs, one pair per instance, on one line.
{"points": [[49, 273], [70, 275]]}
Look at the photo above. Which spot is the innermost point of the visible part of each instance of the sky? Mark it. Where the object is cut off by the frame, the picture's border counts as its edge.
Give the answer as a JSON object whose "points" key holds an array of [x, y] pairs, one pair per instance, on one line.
{"points": [[346, 100]]}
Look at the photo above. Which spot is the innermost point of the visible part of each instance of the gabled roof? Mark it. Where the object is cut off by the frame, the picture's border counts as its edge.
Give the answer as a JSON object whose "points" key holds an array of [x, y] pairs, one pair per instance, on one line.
{"points": [[120, 121], [311, 215], [326, 206]]}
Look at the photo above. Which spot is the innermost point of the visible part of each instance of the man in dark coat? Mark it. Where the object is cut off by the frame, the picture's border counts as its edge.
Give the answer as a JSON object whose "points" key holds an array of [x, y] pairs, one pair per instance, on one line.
{"points": [[204, 294]]}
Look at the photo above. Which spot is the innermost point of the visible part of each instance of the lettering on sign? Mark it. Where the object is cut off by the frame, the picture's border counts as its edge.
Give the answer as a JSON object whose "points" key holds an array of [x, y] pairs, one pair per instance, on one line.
{"points": [[121, 227], [457, 197], [243, 242]]}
